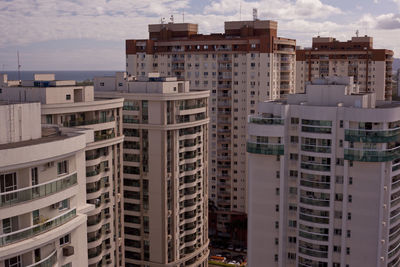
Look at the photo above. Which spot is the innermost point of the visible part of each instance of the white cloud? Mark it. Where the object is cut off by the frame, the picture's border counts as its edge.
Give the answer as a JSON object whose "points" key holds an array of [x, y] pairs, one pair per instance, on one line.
{"points": [[277, 9]]}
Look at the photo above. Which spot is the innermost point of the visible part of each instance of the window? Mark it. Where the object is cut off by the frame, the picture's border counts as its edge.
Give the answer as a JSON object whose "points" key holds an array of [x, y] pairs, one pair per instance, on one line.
{"points": [[276, 241], [13, 262], [350, 198], [350, 180], [292, 239], [62, 167], [292, 223], [336, 249], [101, 84], [276, 225], [341, 124], [277, 208], [337, 231], [68, 97], [62, 205], [34, 176], [348, 233], [65, 240]]}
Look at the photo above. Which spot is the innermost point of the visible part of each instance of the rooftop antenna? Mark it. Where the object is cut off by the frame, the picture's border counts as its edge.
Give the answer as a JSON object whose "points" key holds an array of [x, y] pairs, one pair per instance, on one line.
{"points": [[19, 67], [171, 19], [357, 32], [183, 16], [162, 21], [255, 14]]}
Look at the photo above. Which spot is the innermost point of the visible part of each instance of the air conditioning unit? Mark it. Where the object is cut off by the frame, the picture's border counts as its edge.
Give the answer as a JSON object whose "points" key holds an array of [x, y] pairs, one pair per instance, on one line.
{"points": [[108, 261], [108, 231], [106, 169], [107, 200], [108, 216], [68, 251], [107, 184], [108, 246]]}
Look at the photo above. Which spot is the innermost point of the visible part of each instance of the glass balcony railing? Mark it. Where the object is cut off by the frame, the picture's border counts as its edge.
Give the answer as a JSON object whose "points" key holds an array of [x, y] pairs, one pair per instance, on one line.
{"points": [[316, 167], [316, 149], [372, 155], [49, 261], [88, 122], [37, 229], [315, 129], [266, 121], [372, 136], [103, 137], [313, 253], [265, 149], [315, 202], [192, 106], [15, 197], [313, 236]]}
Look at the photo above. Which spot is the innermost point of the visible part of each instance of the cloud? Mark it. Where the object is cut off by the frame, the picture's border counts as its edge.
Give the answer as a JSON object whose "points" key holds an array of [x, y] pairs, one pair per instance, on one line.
{"points": [[277, 9]]}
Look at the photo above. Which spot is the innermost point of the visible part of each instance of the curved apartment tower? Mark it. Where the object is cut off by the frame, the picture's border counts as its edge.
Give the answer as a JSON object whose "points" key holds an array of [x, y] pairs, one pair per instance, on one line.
{"points": [[42, 191], [68, 105], [324, 179], [241, 66], [165, 170]]}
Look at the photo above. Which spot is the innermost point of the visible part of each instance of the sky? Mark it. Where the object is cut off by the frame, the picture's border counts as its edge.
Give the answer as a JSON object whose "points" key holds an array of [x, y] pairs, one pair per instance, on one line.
{"points": [[90, 34]]}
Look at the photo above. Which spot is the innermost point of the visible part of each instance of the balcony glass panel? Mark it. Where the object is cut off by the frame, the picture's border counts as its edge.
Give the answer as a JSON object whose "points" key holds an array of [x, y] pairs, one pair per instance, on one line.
{"points": [[372, 155], [265, 149], [37, 229], [15, 197]]}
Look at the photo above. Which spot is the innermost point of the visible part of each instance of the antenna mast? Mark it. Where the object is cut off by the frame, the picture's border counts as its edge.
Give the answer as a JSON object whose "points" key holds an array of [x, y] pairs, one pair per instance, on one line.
{"points": [[19, 67], [255, 16]]}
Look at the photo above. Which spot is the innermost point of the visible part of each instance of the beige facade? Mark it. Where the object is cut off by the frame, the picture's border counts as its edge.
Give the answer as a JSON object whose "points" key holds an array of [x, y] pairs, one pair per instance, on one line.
{"points": [[68, 105], [43, 208], [246, 64], [165, 170], [323, 179], [371, 68]]}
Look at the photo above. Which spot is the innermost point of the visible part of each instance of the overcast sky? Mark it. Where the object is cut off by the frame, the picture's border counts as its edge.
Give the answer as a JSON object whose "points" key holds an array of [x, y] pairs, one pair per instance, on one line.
{"points": [[90, 34]]}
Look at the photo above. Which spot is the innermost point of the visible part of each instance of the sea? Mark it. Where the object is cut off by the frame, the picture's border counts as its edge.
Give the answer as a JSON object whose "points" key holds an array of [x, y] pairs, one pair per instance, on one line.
{"points": [[77, 75]]}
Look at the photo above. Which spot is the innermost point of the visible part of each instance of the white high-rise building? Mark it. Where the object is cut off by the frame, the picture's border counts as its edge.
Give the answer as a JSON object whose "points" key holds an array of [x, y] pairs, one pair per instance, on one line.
{"points": [[324, 172], [67, 104], [43, 210], [246, 64], [165, 170]]}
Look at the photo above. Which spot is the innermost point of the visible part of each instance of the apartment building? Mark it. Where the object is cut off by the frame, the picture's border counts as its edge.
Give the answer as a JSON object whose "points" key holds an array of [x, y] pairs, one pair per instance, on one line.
{"points": [[43, 208], [246, 64], [165, 169], [324, 178], [67, 104], [371, 68]]}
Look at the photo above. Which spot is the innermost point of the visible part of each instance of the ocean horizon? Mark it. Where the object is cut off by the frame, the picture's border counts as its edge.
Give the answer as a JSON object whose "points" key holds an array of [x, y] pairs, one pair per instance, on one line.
{"points": [[78, 75]]}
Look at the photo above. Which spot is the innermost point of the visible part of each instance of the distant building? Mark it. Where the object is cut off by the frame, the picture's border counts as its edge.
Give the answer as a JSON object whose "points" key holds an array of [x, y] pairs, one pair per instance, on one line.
{"points": [[245, 64], [165, 169], [370, 67], [67, 104], [43, 210], [324, 179]]}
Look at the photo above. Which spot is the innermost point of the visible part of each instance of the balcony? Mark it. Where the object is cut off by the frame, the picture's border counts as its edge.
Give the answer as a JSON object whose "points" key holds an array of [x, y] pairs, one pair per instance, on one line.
{"points": [[372, 155], [88, 122], [316, 149], [102, 137], [265, 149], [50, 260], [37, 229], [193, 106], [266, 121], [372, 136], [313, 166], [8, 199]]}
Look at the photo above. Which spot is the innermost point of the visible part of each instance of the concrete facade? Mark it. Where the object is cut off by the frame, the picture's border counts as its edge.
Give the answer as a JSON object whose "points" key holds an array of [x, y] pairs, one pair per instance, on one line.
{"points": [[371, 68], [323, 179], [246, 64], [66, 104], [165, 170], [42, 191]]}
